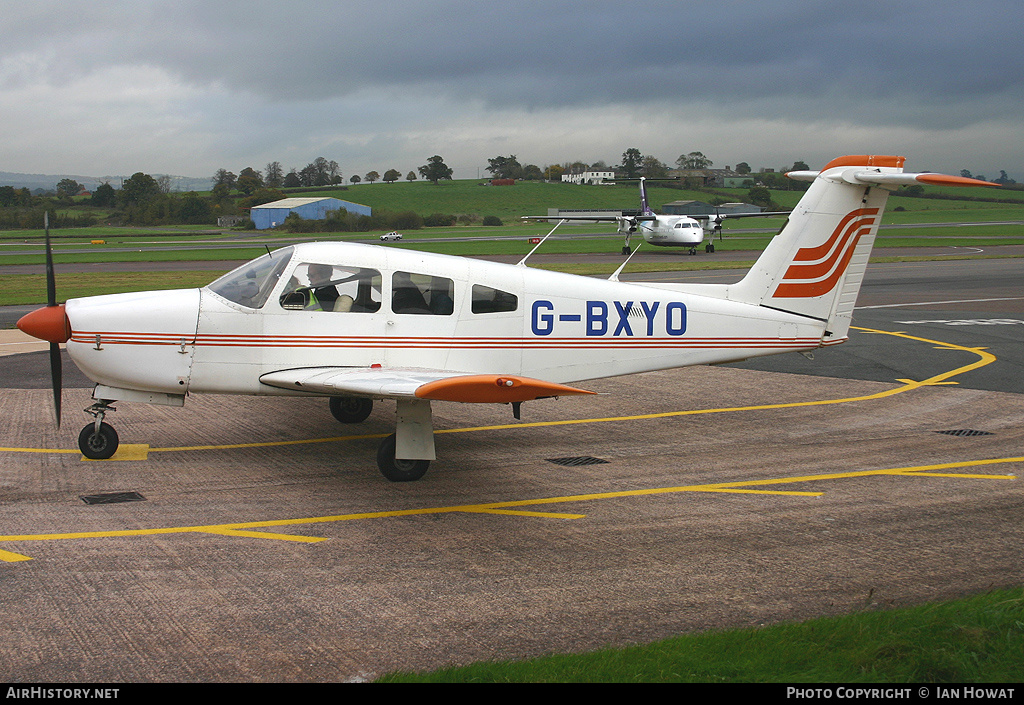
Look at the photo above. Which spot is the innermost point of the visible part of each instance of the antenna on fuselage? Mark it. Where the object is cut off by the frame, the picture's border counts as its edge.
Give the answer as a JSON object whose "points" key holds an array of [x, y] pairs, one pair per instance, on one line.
{"points": [[615, 276], [522, 262]]}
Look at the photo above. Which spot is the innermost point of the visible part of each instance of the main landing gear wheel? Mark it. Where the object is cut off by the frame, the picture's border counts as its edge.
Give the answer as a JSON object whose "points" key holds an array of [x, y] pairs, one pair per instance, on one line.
{"points": [[351, 409], [398, 470], [626, 249], [98, 445], [709, 248]]}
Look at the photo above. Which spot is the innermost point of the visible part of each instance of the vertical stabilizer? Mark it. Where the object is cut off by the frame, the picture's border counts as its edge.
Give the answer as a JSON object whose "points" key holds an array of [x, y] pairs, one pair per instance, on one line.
{"points": [[645, 208], [815, 266]]}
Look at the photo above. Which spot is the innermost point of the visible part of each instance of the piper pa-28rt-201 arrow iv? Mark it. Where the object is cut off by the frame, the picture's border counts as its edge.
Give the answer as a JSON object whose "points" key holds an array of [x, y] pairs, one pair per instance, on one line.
{"points": [[662, 230], [361, 322]]}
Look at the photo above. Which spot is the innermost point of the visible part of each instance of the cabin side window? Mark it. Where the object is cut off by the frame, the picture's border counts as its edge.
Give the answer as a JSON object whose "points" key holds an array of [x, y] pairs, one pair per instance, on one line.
{"points": [[314, 286], [422, 294], [488, 300]]}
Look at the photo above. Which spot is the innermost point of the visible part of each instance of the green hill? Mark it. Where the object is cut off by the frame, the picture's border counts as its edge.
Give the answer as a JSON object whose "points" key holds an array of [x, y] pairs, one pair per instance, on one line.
{"points": [[534, 198], [506, 202]]}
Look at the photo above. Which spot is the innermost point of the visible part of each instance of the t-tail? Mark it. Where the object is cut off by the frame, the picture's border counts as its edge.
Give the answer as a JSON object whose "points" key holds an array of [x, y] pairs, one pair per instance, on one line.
{"points": [[645, 209], [814, 267]]}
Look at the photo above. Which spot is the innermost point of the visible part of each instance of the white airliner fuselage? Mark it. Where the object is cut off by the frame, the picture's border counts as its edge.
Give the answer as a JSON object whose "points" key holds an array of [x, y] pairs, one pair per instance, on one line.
{"points": [[663, 230]]}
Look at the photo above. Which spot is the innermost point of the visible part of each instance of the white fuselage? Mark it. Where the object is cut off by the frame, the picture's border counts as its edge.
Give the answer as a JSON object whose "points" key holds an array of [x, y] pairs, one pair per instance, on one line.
{"points": [[539, 324], [672, 231]]}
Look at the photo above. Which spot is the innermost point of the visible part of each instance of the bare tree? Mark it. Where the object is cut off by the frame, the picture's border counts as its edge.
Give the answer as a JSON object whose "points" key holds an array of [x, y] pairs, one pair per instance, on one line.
{"points": [[275, 175]]}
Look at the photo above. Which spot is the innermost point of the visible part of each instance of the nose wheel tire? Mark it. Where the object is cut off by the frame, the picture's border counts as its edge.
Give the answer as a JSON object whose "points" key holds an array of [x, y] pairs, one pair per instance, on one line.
{"points": [[98, 445], [398, 470]]}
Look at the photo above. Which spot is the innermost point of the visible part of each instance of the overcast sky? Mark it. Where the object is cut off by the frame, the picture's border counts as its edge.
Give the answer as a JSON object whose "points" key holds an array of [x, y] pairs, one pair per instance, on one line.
{"points": [[170, 86]]}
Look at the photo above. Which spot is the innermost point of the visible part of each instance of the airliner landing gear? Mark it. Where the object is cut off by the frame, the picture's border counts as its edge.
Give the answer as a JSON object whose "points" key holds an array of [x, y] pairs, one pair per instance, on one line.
{"points": [[98, 440], [709, 248], [693, 250], [626, 249], [351, 409]]}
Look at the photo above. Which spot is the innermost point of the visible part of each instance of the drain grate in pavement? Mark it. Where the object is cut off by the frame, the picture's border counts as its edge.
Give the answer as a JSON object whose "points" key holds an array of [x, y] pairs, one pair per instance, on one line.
{"points": [[112, 498], [578, 460], [965, 432]]}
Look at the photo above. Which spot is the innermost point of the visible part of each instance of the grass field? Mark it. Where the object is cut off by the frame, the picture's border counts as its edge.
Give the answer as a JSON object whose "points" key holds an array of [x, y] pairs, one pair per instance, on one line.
{"points": [[507, 202], [978, 639], [534, 198]]}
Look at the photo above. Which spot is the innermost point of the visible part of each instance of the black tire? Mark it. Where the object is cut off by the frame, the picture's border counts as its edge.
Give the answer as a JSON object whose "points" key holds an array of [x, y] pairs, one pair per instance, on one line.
{"points": [[626, 250], [398, 470], [351, 409], [98, 446]]}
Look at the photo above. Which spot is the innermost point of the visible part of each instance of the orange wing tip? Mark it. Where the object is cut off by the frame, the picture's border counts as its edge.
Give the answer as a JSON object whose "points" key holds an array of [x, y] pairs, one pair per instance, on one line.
{"points": [[946, 180], [493, 389], [49, 323]]}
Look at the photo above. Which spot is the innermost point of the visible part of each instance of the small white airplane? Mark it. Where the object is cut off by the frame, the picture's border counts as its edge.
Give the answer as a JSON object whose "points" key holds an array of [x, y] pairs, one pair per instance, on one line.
{"points": [[664, 230], [361, 322]]}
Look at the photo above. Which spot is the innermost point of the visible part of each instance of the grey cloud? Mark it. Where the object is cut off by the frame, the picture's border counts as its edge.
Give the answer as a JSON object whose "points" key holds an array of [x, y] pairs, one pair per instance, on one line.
{"points": [[557, 52], [313, 65]]}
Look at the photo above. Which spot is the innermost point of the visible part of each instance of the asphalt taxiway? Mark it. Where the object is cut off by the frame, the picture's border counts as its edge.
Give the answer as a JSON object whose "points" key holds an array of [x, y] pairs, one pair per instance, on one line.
{"points": [[263, 544]]}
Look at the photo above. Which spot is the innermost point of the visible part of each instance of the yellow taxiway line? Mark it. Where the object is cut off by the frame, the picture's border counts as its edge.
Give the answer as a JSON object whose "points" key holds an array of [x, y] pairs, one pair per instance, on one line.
{"points": [[253, 529], [249, 529]]}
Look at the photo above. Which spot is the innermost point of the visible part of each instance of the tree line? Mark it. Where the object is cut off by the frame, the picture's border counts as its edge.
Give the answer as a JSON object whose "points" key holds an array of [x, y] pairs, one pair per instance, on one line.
{"points": [[319, 172], [147, 200]]}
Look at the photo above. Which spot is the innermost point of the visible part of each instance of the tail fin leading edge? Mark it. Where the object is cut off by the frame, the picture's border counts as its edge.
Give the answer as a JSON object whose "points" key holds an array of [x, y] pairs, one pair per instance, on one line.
{"points": [[814, 267]]}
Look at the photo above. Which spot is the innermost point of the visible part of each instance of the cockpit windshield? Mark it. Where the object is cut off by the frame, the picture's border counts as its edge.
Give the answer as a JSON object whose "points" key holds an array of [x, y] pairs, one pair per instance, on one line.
{"points": [[250, 285]]}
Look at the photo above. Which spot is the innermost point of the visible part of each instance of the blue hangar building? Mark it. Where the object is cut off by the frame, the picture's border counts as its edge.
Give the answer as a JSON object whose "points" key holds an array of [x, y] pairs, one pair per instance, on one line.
{"points": [[270, 215]]}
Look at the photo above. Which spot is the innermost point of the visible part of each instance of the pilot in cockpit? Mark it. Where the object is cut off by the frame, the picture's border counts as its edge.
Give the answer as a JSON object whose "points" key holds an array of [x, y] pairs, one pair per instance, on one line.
{"points": [[322, 295]]}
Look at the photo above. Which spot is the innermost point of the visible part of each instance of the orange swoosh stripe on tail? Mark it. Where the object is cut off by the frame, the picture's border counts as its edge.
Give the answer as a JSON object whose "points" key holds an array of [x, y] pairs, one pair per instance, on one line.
{"points": [[813, 254], [839, 249]]}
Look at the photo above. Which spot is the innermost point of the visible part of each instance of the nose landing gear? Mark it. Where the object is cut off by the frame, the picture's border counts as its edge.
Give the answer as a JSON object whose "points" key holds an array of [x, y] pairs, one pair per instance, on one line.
{"points": [[98, 440]]}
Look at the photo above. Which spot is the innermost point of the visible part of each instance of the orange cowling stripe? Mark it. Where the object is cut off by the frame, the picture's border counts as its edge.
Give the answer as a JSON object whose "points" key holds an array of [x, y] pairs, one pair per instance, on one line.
{"points": [[49, 323], [867, 160], [493, 389]]}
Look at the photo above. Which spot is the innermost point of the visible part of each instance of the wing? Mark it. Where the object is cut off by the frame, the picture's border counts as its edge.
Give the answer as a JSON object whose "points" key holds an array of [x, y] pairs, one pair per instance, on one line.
{"points": [[723, 216], [590, 218], [439, 385]]}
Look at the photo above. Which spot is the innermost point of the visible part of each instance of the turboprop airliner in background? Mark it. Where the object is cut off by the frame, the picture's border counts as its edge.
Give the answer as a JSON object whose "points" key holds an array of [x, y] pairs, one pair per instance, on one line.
{"points": [[359, 323], [663, 230]]}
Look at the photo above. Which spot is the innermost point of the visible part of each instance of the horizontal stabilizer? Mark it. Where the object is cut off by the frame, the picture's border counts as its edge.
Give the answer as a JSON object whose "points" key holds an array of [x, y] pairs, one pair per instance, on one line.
{"points": [[867, 178]]}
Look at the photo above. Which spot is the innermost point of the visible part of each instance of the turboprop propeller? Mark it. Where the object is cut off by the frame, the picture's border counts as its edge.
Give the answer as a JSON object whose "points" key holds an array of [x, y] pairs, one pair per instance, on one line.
{"points": [[50, 323]]}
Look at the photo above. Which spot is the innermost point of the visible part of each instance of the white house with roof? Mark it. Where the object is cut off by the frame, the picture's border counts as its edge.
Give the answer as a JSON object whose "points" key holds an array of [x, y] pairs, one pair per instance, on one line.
{"points": [[589, 177]]}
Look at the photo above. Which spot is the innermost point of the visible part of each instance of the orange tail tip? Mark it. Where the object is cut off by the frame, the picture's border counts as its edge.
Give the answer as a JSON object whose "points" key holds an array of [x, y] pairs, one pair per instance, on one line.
{"points": [[498, 389], [49, 323], [867, 160]]}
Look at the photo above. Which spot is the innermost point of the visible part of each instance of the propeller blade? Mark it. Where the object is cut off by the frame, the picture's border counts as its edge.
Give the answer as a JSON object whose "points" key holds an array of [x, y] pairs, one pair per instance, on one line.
{"points": [[56, 376], [51, 284], [56, 379]]}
